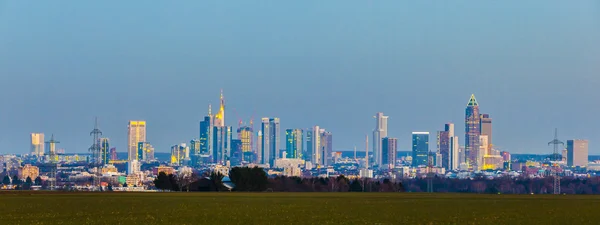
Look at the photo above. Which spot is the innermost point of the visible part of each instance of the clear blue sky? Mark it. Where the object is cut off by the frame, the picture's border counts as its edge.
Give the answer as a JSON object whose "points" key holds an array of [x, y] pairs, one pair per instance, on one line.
{"points": [[533, 65]]}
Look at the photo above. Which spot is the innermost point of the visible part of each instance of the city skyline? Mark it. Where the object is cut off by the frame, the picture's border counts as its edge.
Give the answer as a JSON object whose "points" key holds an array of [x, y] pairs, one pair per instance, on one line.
{"points": [[410, 60]]}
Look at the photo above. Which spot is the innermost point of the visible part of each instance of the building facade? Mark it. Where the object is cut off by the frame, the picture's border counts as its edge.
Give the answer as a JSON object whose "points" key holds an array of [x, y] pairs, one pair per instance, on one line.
{"points": [[270, 140], [37, 144], [380, 132], [245, 135], [389, 152], [326, 148], [448, 148], [28, 171], [104, 150], [136, 133], [294, 143], [420, 148], [472, 132], [577, 153]]}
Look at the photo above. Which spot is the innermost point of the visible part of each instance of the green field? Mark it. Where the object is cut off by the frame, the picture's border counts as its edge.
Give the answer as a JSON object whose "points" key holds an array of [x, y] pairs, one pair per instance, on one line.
{"points": [[294, 208]]}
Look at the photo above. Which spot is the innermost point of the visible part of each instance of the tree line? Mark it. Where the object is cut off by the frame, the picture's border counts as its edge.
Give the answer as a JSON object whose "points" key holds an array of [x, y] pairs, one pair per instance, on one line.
{"points": [[19, 184]]}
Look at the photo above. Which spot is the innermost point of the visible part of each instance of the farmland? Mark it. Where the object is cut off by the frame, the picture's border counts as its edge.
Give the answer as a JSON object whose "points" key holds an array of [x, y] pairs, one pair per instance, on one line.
{"points": [[294, 208]]}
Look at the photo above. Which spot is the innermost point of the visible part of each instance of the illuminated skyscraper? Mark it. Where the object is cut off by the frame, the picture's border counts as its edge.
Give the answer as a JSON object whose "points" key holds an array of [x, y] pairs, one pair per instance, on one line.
{"points": [[219, 120], [104, 150], [389, 152], [486, 129], [136, 133], [180, 154], [420, 148], [270, 140], [145, 152], [221, 144], [293, 143], [195, 152], [245, 135], [472, 132], [37, 144], [380, 132]]}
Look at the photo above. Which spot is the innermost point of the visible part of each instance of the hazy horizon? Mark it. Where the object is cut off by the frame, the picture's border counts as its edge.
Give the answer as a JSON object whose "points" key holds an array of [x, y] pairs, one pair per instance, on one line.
{"points": [[533, 66]]}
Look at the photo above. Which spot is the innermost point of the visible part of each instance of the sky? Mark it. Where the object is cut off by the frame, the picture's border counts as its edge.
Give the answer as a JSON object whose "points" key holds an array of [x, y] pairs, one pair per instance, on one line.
{"points": [[533, 66]]}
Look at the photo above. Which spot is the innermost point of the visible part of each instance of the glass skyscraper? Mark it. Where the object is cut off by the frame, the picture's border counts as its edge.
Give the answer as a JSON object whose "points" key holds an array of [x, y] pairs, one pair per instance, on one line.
{"points": [[420, 148], [472, 132], [293, 143]]}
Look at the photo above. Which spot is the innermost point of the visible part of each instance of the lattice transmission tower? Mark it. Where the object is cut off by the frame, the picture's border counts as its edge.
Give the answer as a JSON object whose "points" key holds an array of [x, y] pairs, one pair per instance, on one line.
{"points": [[555, 173]]}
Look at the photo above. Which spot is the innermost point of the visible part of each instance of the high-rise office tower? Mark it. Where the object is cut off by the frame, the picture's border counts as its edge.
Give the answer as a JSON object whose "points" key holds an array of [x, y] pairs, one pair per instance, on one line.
{"points": [[472, 132], [314, 144], [245, 135], [448, 148], [308, 152], [293, 143], [420, 148], [136, 133], [236, 152], [259, 139], [113, 154], [380, 132], [389, 152], [221, 144], [486, 129], [270, 140], [195, 152], [37, 144], [104, 150], [179, 154], [326, 148], [483, 151], [577, 153], [206, 137]]}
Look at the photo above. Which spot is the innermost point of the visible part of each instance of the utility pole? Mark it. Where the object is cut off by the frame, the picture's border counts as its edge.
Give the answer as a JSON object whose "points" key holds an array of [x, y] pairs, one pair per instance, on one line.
{"points": [[554, 160]]}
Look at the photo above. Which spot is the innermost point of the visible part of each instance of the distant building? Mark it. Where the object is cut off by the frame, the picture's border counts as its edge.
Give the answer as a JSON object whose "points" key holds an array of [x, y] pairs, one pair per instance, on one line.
{"points": [[380, 132], [486, 129], [236, 152], [195, 155], [259, 148], [37, 144], [30, 171], [104, 150], [472, 132], [389, 151], [326, 147], [577, 151], [165, 169], [448, 148], [113, 154], [133, 167], [479, 155], [246, 136], [420, 148], [506, 156], [206, 129], [136, 134], [179, 154], [294, 143], [270, 140]]}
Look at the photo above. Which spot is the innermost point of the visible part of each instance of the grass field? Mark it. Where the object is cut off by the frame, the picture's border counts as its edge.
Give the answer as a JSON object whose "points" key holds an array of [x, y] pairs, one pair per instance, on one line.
{"points": [[294, 208]]}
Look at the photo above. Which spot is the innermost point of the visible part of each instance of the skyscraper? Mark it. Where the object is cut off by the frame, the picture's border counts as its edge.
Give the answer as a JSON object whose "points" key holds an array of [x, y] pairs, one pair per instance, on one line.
{"points": [[136, 133], [259, 148], [420, 148], [219, 120], [236, 152], [195, 152], [37, 144], [379, 133], [389, 151], [577, 151], [221, 144], [486, 129], [314, 144], [308, 152], [293, 143], [472, 132], [481, 153], [245, 135], [206, 137], [104, 150], [448, 148], [270, 140], [326, 147]]}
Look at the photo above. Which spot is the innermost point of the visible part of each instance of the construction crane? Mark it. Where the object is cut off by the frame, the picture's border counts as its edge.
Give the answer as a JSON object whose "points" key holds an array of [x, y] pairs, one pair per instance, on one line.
{"points": [[555, 168]]}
